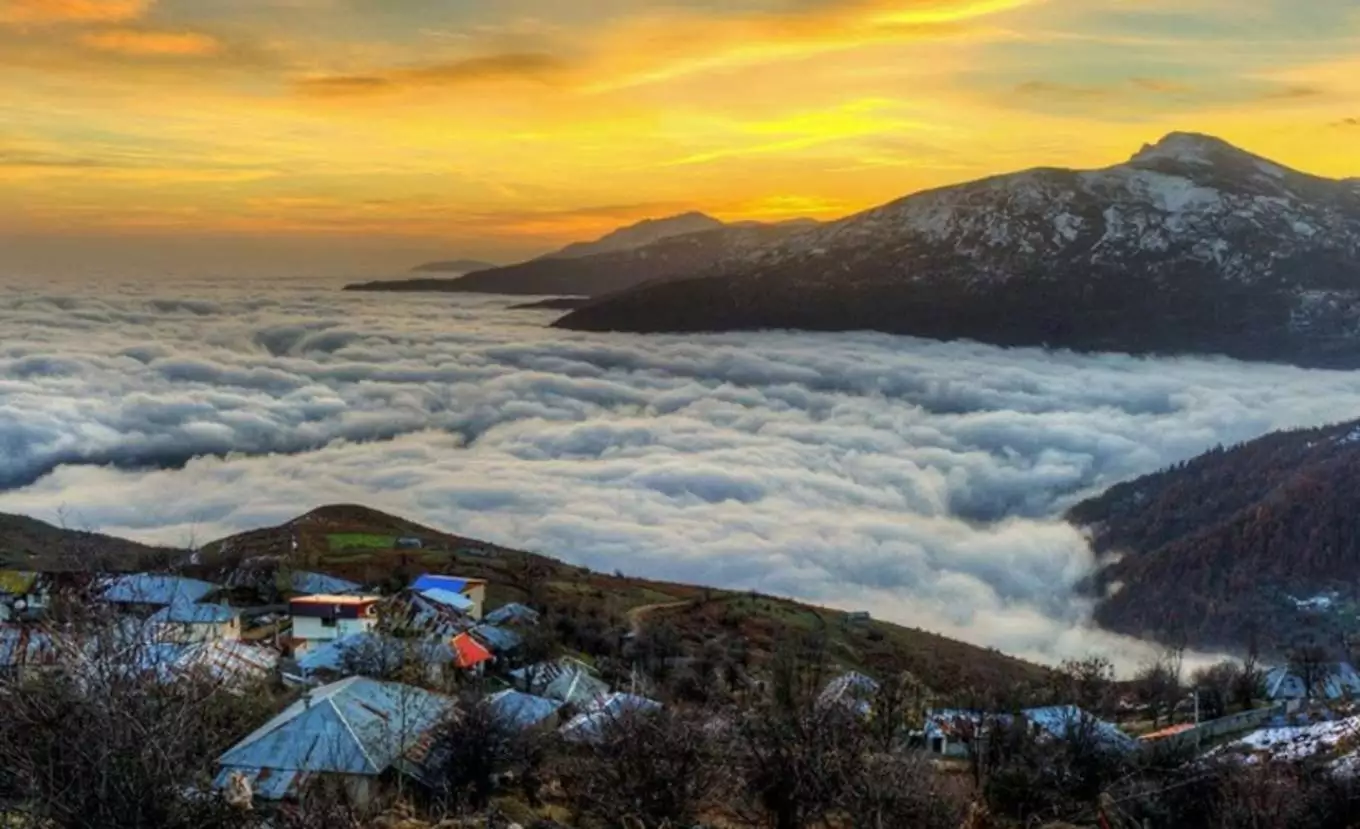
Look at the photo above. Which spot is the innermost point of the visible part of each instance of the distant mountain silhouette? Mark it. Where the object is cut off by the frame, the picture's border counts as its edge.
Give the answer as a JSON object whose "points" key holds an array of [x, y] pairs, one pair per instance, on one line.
{"points": [[638, 235], [1192, 246], [453, 266], [650, 250]]}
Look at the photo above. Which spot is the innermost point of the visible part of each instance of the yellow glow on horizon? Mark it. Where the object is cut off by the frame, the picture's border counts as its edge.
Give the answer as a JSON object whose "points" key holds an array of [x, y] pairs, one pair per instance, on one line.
{"points": [[558, 125]]}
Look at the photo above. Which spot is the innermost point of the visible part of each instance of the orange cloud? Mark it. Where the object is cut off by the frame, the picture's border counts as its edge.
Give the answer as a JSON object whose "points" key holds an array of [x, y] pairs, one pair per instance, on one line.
{"points": [[672, 44], [71, 11], [525, 66], [136, 42]]}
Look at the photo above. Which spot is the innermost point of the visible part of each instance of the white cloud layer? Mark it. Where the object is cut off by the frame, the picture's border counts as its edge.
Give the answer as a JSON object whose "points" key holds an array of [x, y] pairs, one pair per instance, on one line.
{"points": [[919, 480]]}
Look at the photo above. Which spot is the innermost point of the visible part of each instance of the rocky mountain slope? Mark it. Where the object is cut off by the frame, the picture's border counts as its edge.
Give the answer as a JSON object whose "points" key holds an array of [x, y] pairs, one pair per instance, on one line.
{"points": [[1257, 542], [1192, 246], [601, 273]]}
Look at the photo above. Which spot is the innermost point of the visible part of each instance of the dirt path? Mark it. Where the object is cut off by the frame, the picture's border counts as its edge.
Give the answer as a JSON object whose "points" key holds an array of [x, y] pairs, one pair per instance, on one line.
{"points": [[636, 615]]}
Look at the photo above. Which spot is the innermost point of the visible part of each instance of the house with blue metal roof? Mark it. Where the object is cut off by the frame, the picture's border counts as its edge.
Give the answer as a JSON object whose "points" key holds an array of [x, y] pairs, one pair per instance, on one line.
{"points": [[305, 583], [186, 623], [513, 614], [1067, 721], [498, 639], [349, 733], [591, 725], [373, 654], [524, 711], [24, 648], [154, 590], [472, 589]]}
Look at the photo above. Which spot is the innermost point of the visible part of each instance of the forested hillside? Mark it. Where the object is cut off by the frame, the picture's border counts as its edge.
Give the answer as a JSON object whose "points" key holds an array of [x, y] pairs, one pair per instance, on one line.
{"points": [[1230, 547]]}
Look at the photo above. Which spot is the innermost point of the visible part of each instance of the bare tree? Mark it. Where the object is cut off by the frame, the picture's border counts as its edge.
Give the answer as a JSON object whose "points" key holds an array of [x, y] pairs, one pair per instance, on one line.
{"points": [[1312, 664], [470, 750], [96, 741], [1087, 683], [649, 769], [900, 791], [1157, 685]]}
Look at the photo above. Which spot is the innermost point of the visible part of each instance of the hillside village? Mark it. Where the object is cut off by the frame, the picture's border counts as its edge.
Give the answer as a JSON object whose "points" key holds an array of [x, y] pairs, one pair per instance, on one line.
{"points": [[380, 659]]}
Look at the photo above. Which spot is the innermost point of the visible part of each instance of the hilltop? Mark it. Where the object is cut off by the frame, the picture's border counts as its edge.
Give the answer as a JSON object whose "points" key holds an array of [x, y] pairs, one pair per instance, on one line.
{"points": [[1254, 544], [1191, 246], [362, 544]]}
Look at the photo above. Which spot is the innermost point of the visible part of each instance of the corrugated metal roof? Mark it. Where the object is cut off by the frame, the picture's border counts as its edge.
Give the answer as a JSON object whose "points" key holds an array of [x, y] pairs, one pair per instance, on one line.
{"points": [[448, 598], [853, 689], [589, 727], [522, 710], [231, 662], [313, 584], [368, 648], [195, 614], [22, 646], [577, 687], [497, 638], [513, 613], [540, 674], [1341, 680], [1059, 720], [454, 584], [437, 619], [470, 652], [155, 588], [355, 726]]}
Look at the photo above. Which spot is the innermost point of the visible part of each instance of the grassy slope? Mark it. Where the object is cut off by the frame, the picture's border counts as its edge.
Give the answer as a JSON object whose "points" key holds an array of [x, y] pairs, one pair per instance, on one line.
{"points": [[699, 614]]}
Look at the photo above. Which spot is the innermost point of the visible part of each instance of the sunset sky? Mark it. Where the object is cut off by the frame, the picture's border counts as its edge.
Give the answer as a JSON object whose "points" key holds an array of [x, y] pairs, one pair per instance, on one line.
{"points": [[363, 131]]}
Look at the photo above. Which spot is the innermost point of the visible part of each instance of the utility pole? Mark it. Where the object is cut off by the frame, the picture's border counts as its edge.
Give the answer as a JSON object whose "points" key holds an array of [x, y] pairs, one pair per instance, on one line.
{"points": [[1197, 720]]}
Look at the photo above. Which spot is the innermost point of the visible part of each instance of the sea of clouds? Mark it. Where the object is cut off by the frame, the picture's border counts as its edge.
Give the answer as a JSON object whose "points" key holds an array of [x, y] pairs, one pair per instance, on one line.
{"points": [[921, 481]]}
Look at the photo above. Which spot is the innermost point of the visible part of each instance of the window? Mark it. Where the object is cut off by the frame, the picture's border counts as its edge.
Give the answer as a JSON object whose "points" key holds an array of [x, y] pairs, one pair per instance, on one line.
{"points": [[328, 623]]}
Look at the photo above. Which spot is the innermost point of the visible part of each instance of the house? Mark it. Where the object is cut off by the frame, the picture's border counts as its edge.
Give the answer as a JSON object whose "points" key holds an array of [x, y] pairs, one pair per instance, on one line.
{"points": [[950, 732], [184, 623], [474, 590], [854, 690], [154, 590], [1334, 680], [513, 614], [433, 611], [566, 680], [327, 617], [235, 664], [24, 648], [469, 654], [409, 543], [304, 583], [524, 711], [1067, 721], [348, 734], [858, 617], [498, 639], [373, 654], [24, 595], [590, 726]]}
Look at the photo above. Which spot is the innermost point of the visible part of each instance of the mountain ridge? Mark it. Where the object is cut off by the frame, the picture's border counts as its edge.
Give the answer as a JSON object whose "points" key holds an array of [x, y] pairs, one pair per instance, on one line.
{"points": [[608, 271], [1222, 250]]}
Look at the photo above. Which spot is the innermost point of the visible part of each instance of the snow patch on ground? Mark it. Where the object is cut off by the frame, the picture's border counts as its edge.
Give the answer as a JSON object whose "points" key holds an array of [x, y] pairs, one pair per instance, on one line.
{"points": [[1296, 742]]}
